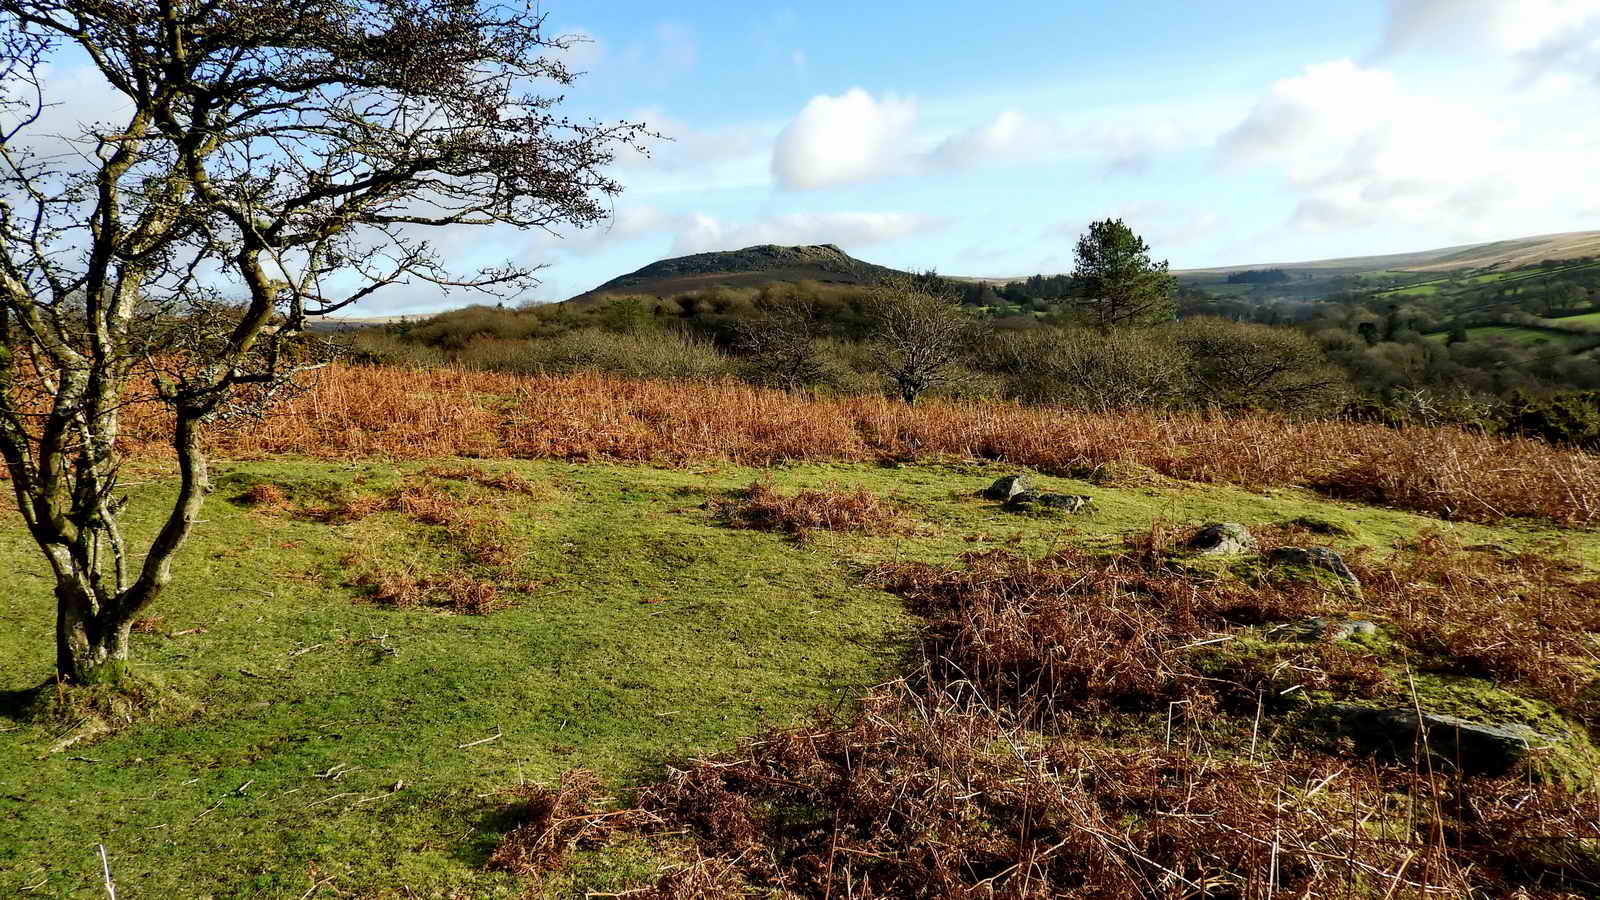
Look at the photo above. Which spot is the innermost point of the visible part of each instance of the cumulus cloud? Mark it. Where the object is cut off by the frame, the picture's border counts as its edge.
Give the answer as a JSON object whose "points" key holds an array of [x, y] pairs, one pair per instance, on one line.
{"points": [[1360, 149], [839, 140], [699, 233], [857, 137], [1509, 26], [1544, 37], [1008, 133]]}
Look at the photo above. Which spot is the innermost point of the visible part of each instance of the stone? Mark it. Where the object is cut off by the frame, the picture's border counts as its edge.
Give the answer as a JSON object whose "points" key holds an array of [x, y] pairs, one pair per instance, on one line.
{"points": [[1010, 486], [1223, 539], [1031, 500], [1322, 628], [1472, 747], [1319, 525], [1314, 558]]}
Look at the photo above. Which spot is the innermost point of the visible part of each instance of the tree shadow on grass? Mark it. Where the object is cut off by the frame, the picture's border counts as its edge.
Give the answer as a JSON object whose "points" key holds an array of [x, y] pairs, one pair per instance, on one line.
{"points": [[22, 706]]}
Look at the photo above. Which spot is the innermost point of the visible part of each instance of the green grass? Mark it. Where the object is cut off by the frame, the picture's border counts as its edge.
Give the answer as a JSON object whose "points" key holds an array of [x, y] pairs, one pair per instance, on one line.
{"points": [[654, 633], [1566, 341], [1587, 320], [1432, 287]]}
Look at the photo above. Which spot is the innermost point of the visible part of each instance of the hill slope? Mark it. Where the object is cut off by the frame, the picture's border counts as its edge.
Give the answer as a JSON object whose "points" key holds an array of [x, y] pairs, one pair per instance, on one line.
{"points": [[1503, 254], [750, 267]]}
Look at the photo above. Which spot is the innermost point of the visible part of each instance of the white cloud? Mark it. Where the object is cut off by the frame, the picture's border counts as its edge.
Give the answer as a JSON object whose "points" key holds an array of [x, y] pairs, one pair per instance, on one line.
{"points": [[856, 137], [77, 100], [1507, 26], [1359, 149], [1542, 37], [1007, 134], [1325, 102], [844, 139], [699, 233], [585, 52]]}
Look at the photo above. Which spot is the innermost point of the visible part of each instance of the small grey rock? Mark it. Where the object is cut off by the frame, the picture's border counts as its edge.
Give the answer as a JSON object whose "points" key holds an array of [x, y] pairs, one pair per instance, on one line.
{"points": [[1486, 748], [1068, 502], [1030, 500], [1316, 558], [1322, 627], [1223, 539], [1008, 487]]}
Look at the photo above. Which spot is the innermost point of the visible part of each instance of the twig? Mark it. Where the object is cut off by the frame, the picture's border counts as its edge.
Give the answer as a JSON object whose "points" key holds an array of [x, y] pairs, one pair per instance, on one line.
{"points": [[493, 737], [330, 799], [105, 869], [314, 887], [304, 650], [209, 810]]}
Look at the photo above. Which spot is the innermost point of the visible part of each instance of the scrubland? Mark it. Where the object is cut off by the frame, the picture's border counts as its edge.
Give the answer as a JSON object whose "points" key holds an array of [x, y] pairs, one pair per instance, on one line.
{"points": [[450, 634]]}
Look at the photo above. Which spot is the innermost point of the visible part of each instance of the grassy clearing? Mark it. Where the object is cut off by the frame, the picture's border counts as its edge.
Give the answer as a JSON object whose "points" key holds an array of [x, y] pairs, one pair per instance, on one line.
{"points": [[637, 628]]}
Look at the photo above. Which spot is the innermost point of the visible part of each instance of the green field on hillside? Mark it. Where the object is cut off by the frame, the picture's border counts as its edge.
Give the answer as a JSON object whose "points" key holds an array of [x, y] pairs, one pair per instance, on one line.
{"points": [[1565, 341], [1432, 287], [1587, 320], [343, 748]]}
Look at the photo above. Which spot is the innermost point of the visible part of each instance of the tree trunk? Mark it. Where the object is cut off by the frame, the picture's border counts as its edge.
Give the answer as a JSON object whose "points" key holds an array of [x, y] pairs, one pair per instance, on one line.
{"points": [[90, 649]]}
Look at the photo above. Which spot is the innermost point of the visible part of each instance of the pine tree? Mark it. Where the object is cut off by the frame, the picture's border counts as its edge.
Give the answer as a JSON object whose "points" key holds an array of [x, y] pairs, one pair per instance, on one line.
{"points": [[1119, 285]]}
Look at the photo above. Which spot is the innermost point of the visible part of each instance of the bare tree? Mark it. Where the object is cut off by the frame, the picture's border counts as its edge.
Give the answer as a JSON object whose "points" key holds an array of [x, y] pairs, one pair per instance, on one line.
{"points": [[1244, 365], [278, 160], [780, 343], [920, 333]]}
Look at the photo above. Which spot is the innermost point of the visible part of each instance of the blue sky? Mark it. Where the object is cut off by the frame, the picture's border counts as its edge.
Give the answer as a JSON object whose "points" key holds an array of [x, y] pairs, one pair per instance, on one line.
{"points": [[980, 139]]}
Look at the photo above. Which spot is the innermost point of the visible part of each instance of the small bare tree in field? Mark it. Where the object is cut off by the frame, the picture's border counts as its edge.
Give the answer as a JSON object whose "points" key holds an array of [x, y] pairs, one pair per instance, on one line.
{"points": [[920, 333], [275, 160], [780, 343]]}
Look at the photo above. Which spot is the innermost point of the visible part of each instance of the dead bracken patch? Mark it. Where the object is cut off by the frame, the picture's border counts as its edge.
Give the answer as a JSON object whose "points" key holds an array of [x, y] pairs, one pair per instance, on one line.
{"points": [[556, 820], [931, 796], [430, 414], [502, 480], [1076, 729], [455, 592], [761, 507], [265, 496]]}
